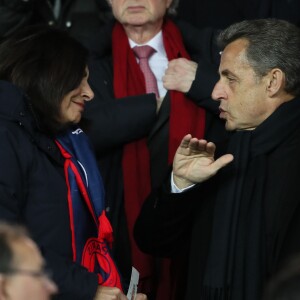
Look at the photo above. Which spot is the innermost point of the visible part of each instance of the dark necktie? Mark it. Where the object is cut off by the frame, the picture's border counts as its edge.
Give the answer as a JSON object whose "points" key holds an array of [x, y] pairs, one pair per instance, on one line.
{"points": [[144, 53]]}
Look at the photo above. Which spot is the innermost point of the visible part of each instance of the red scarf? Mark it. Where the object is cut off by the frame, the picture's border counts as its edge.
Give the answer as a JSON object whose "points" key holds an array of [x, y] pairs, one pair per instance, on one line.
{"points": [[185, 117]]}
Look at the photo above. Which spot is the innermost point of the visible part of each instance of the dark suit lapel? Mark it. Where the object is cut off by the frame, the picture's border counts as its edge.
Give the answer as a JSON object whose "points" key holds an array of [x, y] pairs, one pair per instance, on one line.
{"points": [[162, 118]]}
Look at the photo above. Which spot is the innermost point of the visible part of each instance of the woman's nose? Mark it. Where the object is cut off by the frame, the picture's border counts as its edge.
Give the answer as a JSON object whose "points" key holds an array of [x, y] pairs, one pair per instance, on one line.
{"points": [[88, 92]]}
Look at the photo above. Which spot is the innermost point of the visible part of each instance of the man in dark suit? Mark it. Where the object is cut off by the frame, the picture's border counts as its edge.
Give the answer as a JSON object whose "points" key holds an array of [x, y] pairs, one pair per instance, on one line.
{"points": [[130, 173], [237, 210]]}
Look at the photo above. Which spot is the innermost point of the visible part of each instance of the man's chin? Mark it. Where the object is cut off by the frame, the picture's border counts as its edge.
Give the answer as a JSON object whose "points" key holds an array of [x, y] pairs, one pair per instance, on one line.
{"points": [[136, 19], [229, 127]]}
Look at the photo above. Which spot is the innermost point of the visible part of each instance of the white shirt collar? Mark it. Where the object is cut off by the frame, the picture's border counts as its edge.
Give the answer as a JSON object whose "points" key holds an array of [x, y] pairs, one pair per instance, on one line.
{"points": [[156, 42]]}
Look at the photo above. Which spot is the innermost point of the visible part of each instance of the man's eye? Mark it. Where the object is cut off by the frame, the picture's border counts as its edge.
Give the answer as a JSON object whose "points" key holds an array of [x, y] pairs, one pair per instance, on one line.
{"points": [[230, 79]]}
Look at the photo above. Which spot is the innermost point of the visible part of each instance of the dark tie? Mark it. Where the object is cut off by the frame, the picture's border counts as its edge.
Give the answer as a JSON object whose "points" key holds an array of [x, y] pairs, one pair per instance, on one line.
{"points": [[144, 53]]}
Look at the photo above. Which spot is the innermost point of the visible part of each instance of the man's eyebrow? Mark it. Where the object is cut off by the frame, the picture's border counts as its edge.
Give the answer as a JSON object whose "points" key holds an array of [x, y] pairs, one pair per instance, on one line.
{"points": [[226, 72]]}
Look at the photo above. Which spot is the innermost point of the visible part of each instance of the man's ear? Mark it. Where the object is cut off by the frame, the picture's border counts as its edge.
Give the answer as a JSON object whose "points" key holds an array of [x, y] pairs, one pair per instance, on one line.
{"points": [[275, 81]]}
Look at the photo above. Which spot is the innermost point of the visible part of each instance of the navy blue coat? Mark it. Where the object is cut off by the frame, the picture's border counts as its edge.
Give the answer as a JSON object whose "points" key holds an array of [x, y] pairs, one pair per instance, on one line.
{"points": [[33, 191]]}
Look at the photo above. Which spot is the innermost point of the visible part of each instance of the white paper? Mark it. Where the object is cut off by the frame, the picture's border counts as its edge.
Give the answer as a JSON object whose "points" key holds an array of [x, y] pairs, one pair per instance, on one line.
{"points": [[134, 281]]}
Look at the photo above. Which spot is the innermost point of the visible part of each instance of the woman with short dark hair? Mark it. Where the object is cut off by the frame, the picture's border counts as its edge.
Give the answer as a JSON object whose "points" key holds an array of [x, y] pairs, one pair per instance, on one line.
{"points": [[49, 179]]}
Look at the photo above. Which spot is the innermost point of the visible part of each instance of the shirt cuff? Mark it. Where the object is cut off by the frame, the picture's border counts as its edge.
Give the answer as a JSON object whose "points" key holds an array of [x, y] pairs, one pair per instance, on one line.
{"points": [[175, 189]]}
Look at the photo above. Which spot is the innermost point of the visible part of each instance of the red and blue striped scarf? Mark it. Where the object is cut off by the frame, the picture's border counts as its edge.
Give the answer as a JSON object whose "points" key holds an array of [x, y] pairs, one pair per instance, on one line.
{"points": [[91, 230]]}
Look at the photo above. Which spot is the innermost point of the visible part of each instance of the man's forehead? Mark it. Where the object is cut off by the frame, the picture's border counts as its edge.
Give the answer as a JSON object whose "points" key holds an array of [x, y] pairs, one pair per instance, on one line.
{"points": [[235, 49], [234, 55]]}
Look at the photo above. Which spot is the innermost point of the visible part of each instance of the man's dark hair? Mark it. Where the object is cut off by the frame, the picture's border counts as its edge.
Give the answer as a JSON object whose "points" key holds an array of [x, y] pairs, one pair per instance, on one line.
{"points": [[285, 285], [47, 64], [272, 43], [8, 234]]}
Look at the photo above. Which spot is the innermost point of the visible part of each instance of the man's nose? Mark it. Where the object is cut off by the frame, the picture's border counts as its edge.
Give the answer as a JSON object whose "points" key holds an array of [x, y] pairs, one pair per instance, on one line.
{"points": [[218, 92]]}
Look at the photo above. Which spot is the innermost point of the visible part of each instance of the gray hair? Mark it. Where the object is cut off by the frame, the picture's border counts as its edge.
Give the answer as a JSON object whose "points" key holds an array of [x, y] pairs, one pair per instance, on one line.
{"points": [[272, 43]]}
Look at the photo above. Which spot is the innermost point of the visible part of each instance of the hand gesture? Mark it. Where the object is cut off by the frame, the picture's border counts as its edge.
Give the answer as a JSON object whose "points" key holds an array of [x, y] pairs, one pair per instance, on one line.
{"points": [[194, 161], [180, 75]]}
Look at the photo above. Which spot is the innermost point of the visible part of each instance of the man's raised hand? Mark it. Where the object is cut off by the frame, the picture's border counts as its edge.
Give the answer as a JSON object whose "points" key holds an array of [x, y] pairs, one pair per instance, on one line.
{"points": [[194, 161]]}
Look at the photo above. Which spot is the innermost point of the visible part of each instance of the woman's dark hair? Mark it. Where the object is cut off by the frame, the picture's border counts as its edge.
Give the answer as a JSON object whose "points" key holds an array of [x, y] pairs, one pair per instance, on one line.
{"points": [[47, 64]]}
